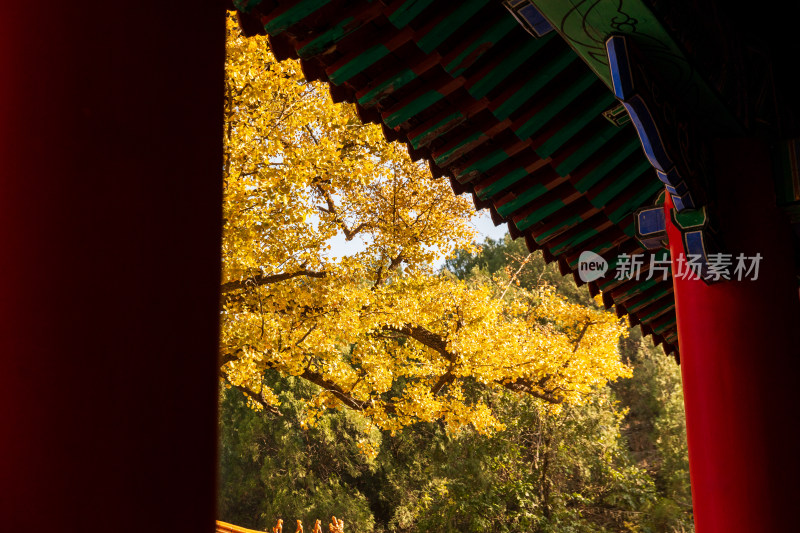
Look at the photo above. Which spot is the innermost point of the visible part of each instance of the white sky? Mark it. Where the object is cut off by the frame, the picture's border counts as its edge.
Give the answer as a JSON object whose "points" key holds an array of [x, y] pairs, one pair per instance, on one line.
{"points": [[486, 228]]}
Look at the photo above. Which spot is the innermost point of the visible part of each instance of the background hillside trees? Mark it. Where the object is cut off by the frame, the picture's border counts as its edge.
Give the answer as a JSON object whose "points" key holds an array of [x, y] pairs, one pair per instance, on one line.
{"points": [[617, 463]]}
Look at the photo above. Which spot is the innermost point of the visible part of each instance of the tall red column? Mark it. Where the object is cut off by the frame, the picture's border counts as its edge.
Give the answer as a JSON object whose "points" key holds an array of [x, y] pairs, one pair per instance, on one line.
{"points": [[740, 360], [110, 158]]}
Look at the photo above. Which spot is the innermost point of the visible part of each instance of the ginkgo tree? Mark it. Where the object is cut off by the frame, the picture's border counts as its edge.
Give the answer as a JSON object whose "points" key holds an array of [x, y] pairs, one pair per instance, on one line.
{"points": [[381, 330]]}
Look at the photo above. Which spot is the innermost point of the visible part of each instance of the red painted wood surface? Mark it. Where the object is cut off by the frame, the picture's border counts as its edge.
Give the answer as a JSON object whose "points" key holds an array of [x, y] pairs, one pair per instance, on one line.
{"points": [[110, 195], [740, 360]]}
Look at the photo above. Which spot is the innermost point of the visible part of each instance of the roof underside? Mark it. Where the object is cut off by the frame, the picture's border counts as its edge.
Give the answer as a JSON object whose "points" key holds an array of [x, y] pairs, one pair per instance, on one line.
{"points": [[515, 120]]}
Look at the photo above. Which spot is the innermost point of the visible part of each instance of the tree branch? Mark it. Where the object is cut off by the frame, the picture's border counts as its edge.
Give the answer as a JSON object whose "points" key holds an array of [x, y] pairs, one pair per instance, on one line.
{"points": [[332, 210], [526, 386], [446, 378], [261, 279], [581, 335], [309, 375], [393, 264], [425, 337], [250, 393], [318, 379], [439, 344]]}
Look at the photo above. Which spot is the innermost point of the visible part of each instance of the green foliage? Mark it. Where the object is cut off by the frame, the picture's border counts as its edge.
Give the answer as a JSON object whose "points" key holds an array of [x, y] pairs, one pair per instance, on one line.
{"points": [[656, 432], [545, 472], [615, 464], [270, 467], [502, 259]]}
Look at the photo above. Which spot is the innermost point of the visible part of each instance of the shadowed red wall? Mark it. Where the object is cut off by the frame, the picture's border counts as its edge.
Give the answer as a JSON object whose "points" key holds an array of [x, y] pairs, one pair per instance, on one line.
{"points": [[110, 195]]}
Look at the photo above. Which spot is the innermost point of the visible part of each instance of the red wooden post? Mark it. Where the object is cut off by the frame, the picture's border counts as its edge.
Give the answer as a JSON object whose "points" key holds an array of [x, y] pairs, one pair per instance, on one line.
{"points": [[740, 359], [110, 143]]}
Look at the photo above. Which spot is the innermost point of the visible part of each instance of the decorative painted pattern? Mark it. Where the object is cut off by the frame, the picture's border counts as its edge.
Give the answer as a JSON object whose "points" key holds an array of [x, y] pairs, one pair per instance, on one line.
{"points": [[586, 25], [625, 90], [699, 240]]}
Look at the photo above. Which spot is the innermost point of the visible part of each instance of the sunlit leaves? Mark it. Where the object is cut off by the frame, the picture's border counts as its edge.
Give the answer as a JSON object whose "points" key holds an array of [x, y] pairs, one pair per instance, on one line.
{"points": [[380, 330]]}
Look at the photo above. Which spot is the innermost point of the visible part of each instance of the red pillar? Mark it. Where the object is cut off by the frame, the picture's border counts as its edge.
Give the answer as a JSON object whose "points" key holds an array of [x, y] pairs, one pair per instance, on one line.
{"points": [[740, 360], [110, 158]]}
